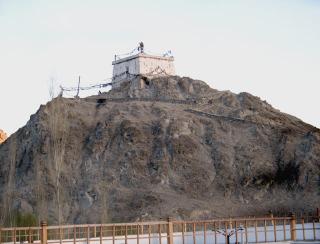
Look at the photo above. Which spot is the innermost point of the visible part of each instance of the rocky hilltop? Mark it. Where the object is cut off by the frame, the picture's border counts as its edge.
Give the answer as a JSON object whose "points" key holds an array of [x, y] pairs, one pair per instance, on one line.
{"points": [[3, 136], [155, 148]]}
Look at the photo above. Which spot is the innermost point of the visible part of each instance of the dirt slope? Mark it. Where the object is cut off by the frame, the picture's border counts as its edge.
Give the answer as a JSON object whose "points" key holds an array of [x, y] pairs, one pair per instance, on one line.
{"points": [[174, 148]]}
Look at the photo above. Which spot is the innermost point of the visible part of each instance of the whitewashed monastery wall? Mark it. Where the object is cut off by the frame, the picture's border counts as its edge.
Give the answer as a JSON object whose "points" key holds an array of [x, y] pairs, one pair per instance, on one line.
{"points": [[148, 64], [142, 64]]}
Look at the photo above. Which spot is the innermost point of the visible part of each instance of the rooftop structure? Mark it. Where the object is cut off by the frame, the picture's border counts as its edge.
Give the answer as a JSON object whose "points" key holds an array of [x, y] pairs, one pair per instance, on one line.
{"points": [[138, 62]]}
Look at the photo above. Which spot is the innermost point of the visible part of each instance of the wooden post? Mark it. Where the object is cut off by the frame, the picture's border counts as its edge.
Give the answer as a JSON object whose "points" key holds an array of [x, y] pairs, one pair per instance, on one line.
{"points": [[284, 230], [60, 235], [170, 231], [138, 228], [204, 233], [255, 230], [88, 234], [14, 236], [101, 235], [226, 232], [78, 89], [236, 229], [30, 236], [318, 214], [74, 234], [113, 234], [194, 232], [303, 232], [314, 230], [246, 230], [275, 230], [265, 231], [126, 235], [44, 232], [160, 234], [293, 227], [215, 233], [183, 230]]}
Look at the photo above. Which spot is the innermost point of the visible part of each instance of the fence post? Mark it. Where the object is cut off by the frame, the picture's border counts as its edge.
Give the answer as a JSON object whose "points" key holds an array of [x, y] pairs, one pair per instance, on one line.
{"points": [[170, 231], [29, 236], [293, 227], [44, 232]]}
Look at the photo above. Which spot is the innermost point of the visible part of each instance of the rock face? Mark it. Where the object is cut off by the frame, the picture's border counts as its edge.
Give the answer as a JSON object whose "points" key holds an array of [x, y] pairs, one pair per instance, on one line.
{"points": [[3, 136], [156, 148]]}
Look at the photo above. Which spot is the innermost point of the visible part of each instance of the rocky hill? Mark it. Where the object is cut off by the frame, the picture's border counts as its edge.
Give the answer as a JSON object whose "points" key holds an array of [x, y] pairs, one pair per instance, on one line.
{"points": [[3, 136], [155, 148]]}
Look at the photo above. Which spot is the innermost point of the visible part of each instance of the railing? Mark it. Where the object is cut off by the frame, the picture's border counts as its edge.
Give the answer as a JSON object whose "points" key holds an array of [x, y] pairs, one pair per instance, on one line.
{"points": [[230, 230], [246, 230]]}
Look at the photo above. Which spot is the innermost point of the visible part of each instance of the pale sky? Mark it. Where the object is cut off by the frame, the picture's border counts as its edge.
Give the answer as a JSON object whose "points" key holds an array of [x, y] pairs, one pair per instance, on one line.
{"points": [[268, 48]]}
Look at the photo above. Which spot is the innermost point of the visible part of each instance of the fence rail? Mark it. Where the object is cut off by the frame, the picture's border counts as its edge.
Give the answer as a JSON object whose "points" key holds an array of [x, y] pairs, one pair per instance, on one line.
{"points": [[224, 230]]}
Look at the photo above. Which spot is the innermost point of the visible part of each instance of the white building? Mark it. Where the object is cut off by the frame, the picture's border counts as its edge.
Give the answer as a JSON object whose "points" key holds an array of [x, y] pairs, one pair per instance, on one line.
{"points": [[143, 64]]}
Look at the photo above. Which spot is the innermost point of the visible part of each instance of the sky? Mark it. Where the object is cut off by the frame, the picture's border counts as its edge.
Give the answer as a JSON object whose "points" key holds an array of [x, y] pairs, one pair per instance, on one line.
{"points": [[269, 48]]}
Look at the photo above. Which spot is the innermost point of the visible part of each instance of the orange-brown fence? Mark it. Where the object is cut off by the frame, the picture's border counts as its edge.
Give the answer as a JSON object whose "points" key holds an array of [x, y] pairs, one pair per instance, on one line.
{"points": [[230, 230]]}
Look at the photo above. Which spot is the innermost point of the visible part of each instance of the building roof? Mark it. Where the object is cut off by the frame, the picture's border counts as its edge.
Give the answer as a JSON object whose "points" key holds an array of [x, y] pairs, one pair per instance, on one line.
{"points": [[142, 55]]}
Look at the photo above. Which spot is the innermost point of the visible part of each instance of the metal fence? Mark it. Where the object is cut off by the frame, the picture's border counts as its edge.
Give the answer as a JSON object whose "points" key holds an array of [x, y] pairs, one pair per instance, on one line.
{"points": [[230, 230]]}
